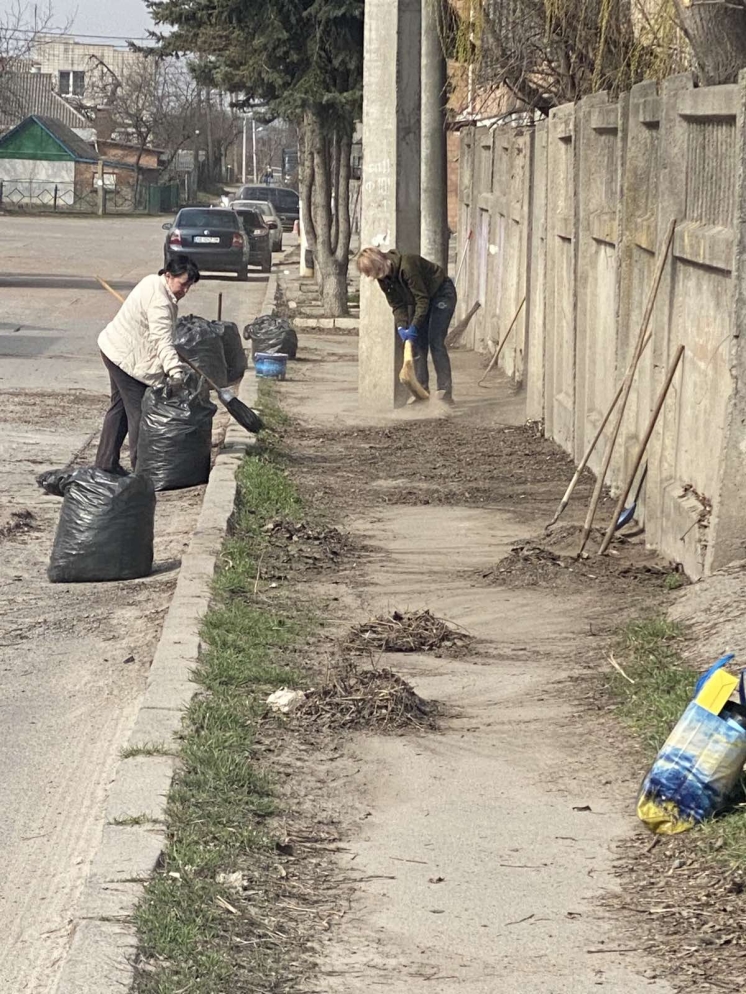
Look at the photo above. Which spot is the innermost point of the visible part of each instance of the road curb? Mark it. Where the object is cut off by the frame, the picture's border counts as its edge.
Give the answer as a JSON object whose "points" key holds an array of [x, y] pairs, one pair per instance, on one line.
{"points": [[103, 943]]}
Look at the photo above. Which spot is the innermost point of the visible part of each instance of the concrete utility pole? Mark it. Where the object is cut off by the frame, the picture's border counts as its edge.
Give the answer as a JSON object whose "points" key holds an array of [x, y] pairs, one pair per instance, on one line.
{"points": [[391, 178], [434, 162], [243, 164], [253, 146]]}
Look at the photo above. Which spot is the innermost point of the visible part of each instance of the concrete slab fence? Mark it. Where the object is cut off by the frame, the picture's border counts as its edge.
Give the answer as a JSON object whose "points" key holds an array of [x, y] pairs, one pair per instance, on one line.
{"points": [[570, 213]]}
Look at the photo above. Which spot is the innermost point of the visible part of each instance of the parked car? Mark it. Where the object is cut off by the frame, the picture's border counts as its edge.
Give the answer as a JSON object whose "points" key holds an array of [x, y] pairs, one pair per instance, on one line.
{"points": [[258, 233], [286, 202], [270, 215], [212, 237]]}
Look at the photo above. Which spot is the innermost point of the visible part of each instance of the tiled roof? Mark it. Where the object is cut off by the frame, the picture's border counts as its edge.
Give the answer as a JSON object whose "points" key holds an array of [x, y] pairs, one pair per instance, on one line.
{"points": [[25, 93]]}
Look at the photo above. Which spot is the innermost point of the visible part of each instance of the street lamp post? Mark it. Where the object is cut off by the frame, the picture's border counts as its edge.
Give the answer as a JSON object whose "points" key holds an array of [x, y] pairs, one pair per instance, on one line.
{"points": [[243, 165]]}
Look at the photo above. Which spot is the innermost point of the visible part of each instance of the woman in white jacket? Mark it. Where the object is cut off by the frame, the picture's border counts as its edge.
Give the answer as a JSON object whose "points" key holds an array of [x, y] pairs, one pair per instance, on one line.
{"points": [[138, 351]]}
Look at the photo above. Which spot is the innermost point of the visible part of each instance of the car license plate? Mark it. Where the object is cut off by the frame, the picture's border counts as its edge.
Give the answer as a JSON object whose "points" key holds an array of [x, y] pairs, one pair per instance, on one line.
{"points": [[207, 241]]}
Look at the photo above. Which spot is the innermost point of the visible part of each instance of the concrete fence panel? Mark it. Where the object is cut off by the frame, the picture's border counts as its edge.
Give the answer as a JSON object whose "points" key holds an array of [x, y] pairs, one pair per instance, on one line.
{"points": [[536, 274], [513, 205], [465, 239], [479, 330], [600, 157], [728, 520], [700, 165], [638, 253], [560, 279]]}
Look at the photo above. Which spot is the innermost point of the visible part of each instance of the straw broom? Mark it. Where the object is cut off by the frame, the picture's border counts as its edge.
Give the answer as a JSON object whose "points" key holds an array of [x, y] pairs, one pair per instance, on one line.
{"points": [[408, 377]]}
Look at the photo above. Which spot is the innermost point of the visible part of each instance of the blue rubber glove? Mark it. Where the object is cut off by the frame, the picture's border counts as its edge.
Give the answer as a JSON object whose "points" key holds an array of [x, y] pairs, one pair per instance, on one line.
{"points": [[408, 334]]}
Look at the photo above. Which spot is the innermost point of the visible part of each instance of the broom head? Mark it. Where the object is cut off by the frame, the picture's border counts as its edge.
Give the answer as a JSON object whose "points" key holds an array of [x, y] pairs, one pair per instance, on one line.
{"points": [[407, 375], [240, 413]]}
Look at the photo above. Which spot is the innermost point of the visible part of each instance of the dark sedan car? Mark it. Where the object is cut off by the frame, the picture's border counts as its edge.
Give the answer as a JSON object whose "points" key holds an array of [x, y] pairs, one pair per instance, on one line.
{"points": [[286, 202], [212, 238], [259, 236]]}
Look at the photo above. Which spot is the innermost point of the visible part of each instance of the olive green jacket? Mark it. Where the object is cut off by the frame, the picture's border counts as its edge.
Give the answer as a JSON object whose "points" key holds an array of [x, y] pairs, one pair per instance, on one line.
{"points": [[413, 283]]}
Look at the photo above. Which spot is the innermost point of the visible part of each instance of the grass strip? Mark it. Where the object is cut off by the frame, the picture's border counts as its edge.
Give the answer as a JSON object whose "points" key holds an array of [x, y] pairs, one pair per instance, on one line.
{"points": [[648, 651], [195, 934]]}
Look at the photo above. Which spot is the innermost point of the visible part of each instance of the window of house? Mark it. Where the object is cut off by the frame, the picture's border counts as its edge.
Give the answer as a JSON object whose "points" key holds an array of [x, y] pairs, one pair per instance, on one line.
{"points": [[72, 83]]}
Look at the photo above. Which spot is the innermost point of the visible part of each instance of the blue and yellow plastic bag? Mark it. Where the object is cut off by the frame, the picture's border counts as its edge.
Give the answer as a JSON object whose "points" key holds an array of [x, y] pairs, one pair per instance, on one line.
{"points": [[697, 767]]}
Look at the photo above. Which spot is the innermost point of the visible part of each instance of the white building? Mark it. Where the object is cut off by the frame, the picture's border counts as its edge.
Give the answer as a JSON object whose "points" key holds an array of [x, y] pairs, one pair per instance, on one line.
{"points": [[84, 73]]}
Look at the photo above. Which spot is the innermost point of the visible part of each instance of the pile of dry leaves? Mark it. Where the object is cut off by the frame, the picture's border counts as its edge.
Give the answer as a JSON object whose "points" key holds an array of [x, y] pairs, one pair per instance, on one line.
{"points": [[418, 631], [367, 698]]}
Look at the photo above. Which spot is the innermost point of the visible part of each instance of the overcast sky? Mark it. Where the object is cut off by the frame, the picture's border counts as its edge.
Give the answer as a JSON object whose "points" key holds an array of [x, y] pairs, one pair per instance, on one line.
{"points": [[128, 18]]}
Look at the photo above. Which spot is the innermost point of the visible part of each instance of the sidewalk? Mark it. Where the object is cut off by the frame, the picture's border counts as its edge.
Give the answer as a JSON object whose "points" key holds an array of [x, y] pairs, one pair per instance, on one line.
{"points": [[485, 852]]}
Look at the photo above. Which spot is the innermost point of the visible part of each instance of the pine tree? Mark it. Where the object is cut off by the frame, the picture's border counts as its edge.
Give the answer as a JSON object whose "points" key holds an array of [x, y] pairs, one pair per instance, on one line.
{"points": [[302, 60]]}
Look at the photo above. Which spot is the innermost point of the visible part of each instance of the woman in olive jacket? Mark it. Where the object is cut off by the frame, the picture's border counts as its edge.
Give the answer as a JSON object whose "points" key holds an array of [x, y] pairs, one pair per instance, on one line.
{"points": [[423, 300]]}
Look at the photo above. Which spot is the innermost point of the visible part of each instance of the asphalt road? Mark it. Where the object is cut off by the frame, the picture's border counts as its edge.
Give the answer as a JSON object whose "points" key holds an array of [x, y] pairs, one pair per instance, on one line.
{"points": [[73, 658]]}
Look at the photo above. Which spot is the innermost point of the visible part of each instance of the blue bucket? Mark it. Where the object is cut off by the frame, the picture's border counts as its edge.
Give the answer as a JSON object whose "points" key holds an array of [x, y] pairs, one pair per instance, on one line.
{"points": [[271, 365]]}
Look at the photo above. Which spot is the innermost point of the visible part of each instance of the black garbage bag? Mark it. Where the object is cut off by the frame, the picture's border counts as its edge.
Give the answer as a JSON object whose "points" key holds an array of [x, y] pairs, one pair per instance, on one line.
{"points": [[105, 531], [235, 357], [50, 482], [200, 341], [175, 441], [272, 334]]}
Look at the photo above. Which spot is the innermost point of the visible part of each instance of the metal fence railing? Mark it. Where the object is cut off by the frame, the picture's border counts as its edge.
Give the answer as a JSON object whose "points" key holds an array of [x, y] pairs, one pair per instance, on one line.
{"points": [[39, 196]]}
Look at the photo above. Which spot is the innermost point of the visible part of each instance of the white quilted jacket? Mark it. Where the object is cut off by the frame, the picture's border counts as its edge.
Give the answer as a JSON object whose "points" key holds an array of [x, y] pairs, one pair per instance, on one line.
{"points": [[140, 339]]}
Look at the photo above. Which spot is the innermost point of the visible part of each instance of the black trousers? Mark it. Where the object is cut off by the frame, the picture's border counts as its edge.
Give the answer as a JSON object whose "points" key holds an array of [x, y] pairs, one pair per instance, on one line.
{"points": [[122, 418], [432, 338]]}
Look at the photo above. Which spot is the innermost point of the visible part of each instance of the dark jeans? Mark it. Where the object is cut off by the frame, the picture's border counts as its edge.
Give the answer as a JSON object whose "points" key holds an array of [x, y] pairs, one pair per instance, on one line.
{"points": [[432, 337], [122, 418]]}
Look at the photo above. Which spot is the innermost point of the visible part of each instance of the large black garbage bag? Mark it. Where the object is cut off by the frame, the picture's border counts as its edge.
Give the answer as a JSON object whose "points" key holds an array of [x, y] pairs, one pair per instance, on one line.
{"points": [[272, 334], [235, 357], [105, 531], [175, 441], [200, 341]]}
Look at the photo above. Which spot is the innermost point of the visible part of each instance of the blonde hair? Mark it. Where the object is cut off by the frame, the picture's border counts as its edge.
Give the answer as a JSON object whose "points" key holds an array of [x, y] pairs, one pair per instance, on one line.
{"points": [[374, 263]]}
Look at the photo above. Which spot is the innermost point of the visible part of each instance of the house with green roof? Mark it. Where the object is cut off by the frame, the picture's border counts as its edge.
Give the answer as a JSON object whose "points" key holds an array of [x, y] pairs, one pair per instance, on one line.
{"points": [[44, 163]]}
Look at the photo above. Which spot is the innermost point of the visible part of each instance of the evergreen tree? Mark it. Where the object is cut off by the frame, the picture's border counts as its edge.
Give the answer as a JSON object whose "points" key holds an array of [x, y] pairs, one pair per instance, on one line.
{"points": [[302, 60]]}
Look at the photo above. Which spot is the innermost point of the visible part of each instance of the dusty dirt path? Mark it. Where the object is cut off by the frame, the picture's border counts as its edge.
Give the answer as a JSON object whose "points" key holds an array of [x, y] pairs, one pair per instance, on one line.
{"points": [[486, 851]]}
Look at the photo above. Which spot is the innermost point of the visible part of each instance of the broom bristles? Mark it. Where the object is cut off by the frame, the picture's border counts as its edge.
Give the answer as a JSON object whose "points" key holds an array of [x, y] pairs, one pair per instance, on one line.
{"points": [[408, 377], [247, 418]]}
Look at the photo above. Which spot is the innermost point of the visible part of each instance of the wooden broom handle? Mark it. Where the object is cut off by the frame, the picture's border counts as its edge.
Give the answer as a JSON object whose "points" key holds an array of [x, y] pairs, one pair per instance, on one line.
{"points": [[111, 290], [641, 449]]}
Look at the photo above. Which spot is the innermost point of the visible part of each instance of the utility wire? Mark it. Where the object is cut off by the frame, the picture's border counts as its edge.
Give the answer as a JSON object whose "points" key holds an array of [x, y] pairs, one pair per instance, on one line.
{"points": [[29, 32]]}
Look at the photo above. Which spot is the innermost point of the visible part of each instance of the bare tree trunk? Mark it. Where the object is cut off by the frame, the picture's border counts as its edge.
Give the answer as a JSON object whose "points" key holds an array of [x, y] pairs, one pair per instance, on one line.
{"points": [[331, 265], [335, 188], [208, 125], [307, 181], [342, 250], [716, 31]]}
